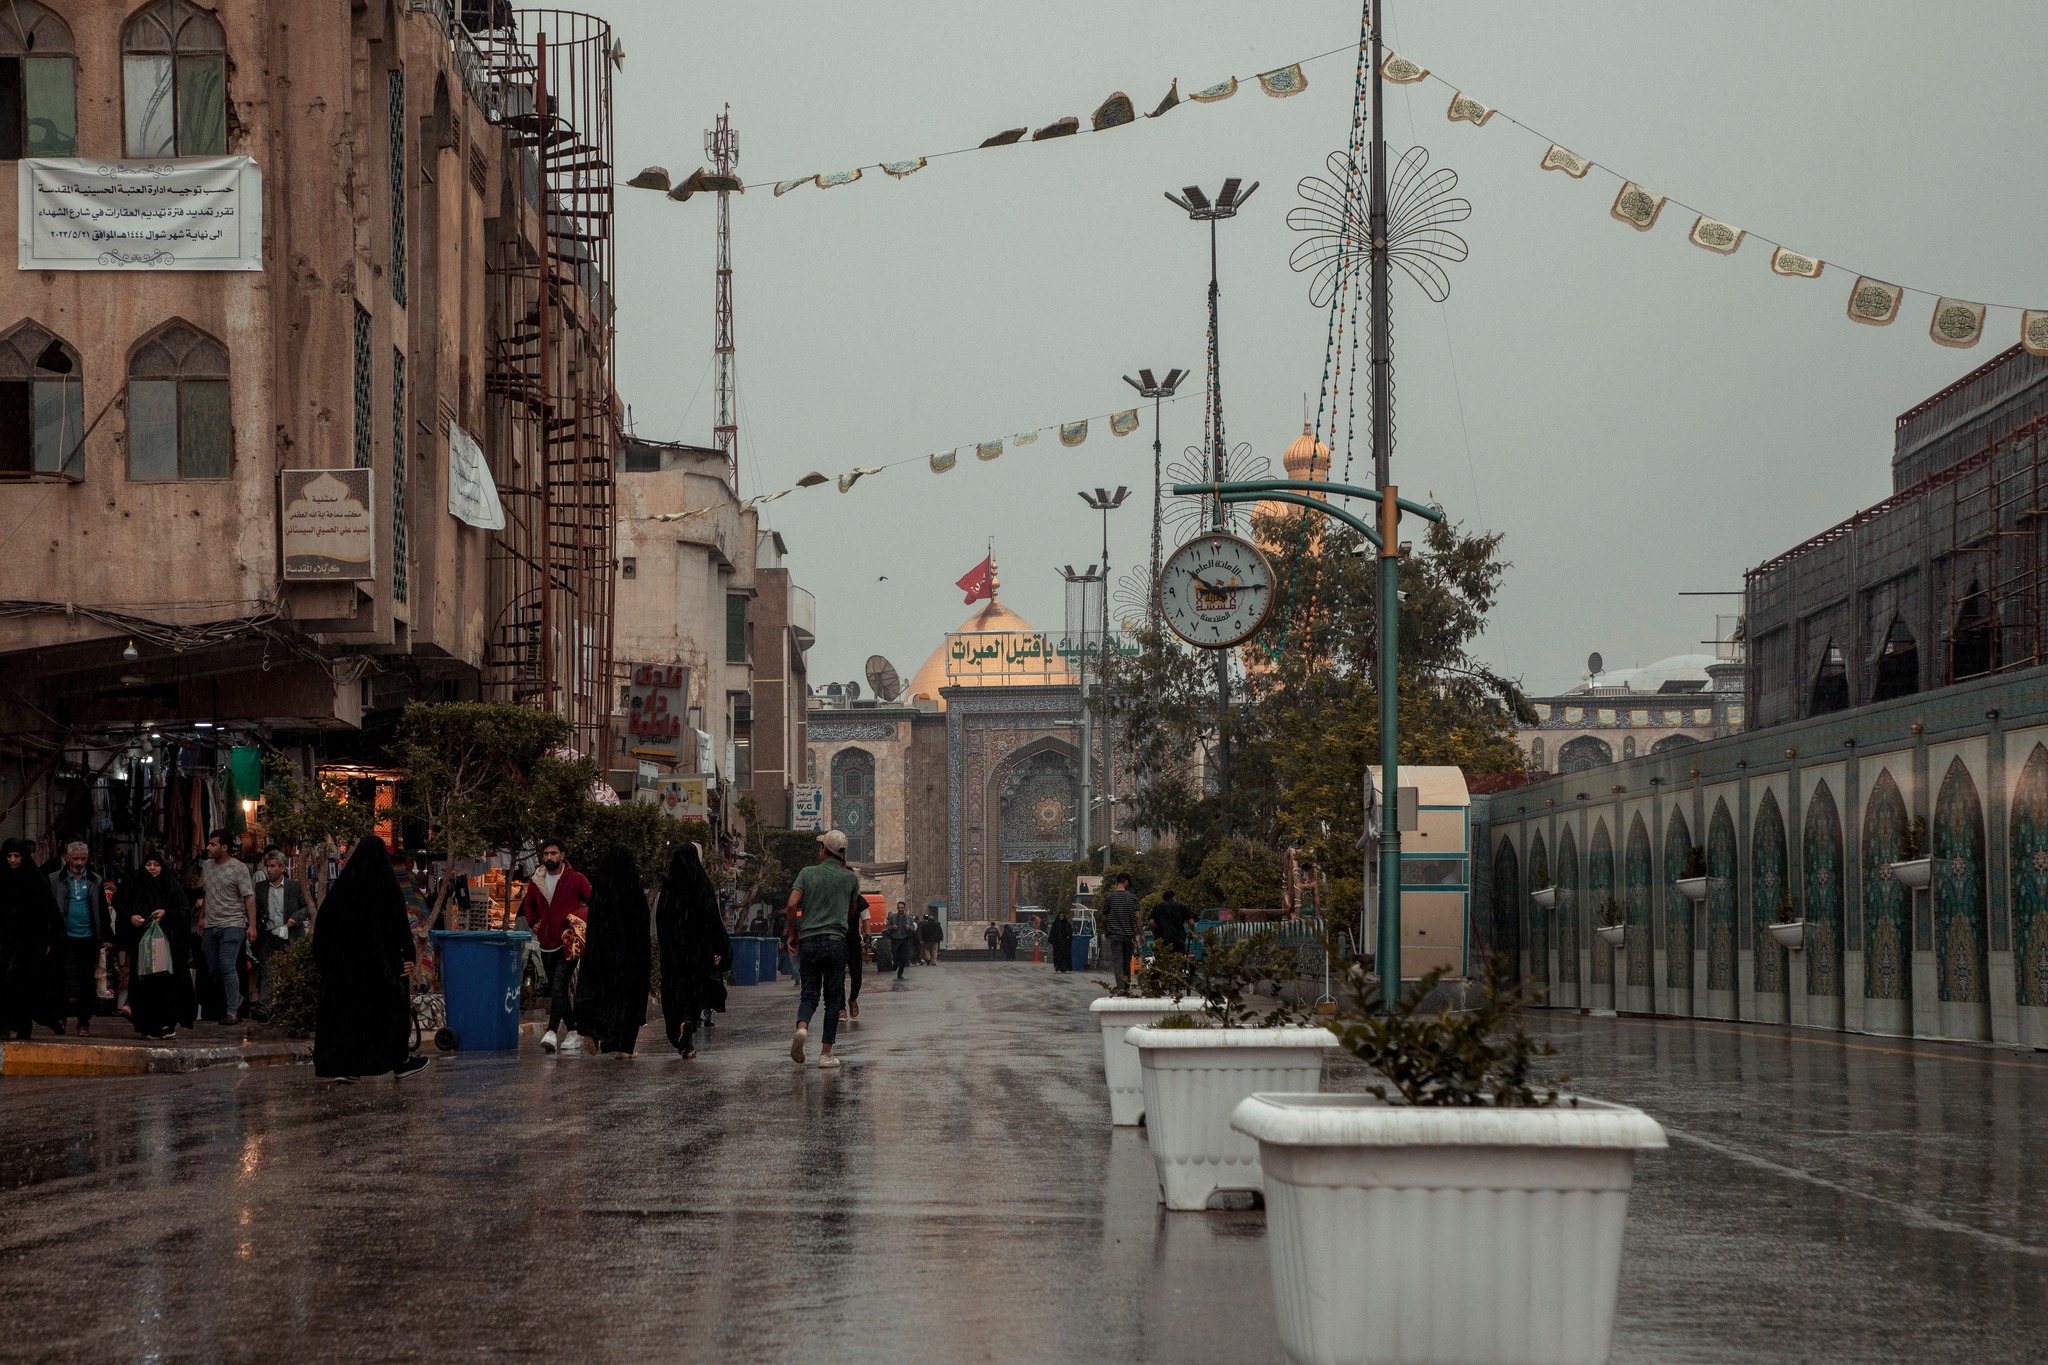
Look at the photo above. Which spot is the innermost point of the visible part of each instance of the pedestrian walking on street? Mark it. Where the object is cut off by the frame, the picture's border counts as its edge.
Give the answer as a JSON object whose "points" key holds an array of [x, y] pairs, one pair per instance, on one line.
{"points": [[81, 897], [1170, 922], [823, 892], [1062, 938], [902, 938], [856, 920], [618, 957], [281, 917], [159, 1002], [31, 933], [1009, 942], [365, 954], [694, 948], [1120, 928], [228, 915], [993, 937], [930, 934], [554, 893]]}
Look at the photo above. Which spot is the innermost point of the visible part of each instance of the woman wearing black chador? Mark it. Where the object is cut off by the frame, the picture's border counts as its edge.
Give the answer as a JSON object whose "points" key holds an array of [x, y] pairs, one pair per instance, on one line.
{"points": [[694, 948], [362, 944], [618, 956]]}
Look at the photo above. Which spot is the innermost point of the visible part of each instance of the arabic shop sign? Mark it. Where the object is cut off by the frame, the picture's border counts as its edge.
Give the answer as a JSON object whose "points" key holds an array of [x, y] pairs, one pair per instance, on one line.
{"points": [[193, 213], [324, 525], [1026, 655], [655, 698]]}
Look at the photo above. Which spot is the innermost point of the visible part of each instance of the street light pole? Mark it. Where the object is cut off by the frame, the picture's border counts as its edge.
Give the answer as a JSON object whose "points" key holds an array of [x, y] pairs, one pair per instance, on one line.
{"points": [[1083, 580], [1197, 205], [1387, 952], [1157, 390], [1105, 502]]}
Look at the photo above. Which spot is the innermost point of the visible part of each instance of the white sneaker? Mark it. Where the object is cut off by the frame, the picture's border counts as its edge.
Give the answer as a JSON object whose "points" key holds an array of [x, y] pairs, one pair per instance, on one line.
{"points": [[796, 1044], [827, 1062], [571, 1045], [547, 1041]]}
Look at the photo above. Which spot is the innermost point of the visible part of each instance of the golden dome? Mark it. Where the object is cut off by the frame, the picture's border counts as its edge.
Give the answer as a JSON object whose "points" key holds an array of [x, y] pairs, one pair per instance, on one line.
{"points": [[1307, 458], [992, 619]]}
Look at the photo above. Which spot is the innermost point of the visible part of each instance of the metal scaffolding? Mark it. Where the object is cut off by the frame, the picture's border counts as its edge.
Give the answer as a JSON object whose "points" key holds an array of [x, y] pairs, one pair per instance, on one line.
{"points": [[554, 414]]}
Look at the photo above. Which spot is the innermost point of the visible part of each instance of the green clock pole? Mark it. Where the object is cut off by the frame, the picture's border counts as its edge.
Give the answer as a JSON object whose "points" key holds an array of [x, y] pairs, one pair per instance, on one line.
{"points": [[1388, 951]]}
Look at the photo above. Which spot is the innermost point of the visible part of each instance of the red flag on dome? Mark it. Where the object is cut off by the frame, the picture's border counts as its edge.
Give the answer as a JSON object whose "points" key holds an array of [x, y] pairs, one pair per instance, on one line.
{"points": [[979, 584]]}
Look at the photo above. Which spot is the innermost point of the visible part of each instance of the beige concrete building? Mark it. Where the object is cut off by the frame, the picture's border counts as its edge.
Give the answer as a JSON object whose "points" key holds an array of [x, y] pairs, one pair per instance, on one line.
{"points": [[258, 495]]}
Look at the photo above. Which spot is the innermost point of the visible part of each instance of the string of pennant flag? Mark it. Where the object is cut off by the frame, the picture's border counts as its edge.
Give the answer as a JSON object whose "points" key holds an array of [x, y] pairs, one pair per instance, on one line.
{"points": [[1873, 302], [1069, 435], [1117, 111]]}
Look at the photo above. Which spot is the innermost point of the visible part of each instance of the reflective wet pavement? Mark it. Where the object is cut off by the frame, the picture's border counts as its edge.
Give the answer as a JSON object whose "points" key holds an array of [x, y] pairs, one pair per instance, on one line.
{"points": [[953, 1193]]}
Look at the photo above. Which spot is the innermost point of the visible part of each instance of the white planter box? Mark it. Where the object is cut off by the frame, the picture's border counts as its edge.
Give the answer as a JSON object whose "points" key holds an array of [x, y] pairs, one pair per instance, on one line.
{"points": [[1194, 1079], [1118, 1015], [1403, 1236], [1914, 874], [1693, 889], [1546, 897], [1613, 935], [1791, 934]]}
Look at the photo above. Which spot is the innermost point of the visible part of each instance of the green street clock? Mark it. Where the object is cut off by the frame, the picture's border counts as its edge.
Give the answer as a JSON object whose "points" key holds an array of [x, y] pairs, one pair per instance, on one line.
{"points": [[1215, 590]]}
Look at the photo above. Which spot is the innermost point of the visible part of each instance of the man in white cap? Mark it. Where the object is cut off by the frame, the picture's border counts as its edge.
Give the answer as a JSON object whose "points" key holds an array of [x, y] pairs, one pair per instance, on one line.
{"points": [[816, 936]]}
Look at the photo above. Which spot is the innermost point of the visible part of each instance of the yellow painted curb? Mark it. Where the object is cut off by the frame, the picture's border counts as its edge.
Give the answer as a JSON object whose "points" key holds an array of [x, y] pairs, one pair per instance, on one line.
{"points": [[36, 1058]]}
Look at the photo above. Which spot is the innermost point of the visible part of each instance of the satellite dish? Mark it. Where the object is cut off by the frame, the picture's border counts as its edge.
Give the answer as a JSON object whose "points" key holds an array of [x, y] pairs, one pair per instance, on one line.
{"points": [[882, 677], [1593, 662], [853, 689]]}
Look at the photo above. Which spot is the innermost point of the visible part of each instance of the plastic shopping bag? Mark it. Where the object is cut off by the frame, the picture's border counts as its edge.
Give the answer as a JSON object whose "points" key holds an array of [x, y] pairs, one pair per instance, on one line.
{"points": [[152, 951]]}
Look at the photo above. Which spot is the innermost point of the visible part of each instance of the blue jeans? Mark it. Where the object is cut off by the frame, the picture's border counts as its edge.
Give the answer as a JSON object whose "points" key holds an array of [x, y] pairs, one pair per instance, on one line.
{"points": [[221, 951], [823, 959]]}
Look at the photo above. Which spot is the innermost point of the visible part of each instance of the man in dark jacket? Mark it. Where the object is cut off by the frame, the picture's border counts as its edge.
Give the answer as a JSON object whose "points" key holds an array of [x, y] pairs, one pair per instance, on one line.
{"points": [[555, 892], [281, 917], [930, 934], [902, 938], [81, 895], [1120, 928], [1170, 922]]}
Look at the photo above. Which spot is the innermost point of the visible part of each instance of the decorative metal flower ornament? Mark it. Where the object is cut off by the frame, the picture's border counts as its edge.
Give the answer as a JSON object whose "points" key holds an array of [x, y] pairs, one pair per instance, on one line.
{"points": [[1191, 516], [1420, 206]]}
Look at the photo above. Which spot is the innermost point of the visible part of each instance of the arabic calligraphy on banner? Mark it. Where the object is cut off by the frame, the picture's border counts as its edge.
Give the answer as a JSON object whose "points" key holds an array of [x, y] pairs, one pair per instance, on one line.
{"points": [[194, 213], [325, 525], [1024, 656]]}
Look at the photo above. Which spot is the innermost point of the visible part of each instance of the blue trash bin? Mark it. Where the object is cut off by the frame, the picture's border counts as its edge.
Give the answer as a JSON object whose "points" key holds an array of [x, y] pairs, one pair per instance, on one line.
{"points": [[746, 960], [480, 975], [1082, 943]]}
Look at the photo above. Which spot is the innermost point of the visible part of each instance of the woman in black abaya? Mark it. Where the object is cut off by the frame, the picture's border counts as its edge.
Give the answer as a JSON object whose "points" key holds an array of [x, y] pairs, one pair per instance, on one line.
{"points": [[618, 957], [362, 945], [694, 948], [31, 927], [158, 1002]]}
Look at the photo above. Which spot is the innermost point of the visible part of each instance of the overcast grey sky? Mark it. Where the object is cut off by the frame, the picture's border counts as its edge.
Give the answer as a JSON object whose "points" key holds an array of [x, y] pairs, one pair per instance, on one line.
{"points": [[1640, 417]]}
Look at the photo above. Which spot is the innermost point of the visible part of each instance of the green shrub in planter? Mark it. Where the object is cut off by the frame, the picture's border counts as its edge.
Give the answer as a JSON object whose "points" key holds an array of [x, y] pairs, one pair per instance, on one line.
{"points": [[1480, 1056], [295, 988], [1222, 977]]}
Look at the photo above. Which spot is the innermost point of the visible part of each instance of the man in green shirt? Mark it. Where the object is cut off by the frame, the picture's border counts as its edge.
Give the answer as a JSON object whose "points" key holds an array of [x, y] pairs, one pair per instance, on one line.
{"points": [[816, 935]]}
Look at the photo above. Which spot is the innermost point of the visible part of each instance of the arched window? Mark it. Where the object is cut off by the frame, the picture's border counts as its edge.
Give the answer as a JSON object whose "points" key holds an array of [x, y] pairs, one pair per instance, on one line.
{"points": [[42, 403], [1670, 742], [1830, 682], [853, 802], [1973, 641], [1898, 663], [178, 424], [1587, 751], [174, 81], [1536, 754], [38, 82]]}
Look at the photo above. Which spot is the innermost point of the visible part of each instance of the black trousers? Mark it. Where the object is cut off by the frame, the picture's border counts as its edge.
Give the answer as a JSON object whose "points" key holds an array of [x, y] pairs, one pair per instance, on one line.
{"points": [[901, 949], [1121, 949], [559, 969], [81, 976]]}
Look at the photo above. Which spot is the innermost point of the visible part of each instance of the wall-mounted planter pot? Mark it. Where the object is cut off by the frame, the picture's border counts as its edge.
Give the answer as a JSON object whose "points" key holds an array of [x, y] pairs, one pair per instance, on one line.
{"points": [[1790, 934], [1693, 889], [1915, 873], [1405, 1236], [1547, 897], [1613, 935]]}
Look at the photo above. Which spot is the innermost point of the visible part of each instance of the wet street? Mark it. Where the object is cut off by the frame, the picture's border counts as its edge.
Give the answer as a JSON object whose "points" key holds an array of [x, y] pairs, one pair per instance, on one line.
{"points": [[954, 1193]]}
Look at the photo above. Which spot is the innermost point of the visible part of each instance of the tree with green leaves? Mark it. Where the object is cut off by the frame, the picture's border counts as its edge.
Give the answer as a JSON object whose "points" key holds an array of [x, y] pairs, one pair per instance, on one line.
{"points": [[487, 775]]}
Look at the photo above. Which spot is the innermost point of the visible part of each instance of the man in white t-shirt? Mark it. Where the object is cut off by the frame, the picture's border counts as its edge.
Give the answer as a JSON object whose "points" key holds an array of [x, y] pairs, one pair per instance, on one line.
{"points": [[228, 905]]}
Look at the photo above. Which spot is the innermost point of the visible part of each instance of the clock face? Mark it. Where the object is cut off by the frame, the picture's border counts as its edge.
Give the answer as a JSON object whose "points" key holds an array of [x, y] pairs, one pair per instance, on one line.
{"points": [[1216, 590]]}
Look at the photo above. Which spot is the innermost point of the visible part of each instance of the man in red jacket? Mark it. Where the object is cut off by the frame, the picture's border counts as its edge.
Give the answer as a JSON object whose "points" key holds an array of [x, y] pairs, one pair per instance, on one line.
{"points": [[556, 892]]}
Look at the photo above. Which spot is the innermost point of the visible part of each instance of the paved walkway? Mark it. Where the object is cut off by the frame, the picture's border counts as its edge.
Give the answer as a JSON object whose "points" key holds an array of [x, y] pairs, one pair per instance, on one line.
{"points": [[954, 1193]]}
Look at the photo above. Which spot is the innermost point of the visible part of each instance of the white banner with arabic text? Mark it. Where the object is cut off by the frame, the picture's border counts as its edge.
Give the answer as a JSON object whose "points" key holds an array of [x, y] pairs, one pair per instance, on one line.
{"points": [[184, 213]]}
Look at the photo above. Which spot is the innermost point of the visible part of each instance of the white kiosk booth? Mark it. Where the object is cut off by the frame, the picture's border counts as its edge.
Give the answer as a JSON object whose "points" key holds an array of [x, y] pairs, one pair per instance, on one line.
{"points": [[1436, 869]]}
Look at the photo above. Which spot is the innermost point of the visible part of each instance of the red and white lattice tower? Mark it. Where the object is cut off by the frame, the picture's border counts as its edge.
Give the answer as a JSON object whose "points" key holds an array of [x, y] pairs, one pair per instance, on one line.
{"points": [[722, 146]]}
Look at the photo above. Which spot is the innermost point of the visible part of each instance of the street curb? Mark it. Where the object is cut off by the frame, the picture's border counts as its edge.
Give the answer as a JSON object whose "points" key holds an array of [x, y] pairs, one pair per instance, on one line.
{"points": [[34, 1058]]}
